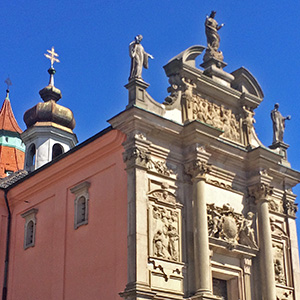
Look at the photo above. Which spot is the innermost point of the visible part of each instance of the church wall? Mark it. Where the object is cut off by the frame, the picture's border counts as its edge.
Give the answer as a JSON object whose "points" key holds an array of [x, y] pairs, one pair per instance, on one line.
{"points": [[89, 262]]}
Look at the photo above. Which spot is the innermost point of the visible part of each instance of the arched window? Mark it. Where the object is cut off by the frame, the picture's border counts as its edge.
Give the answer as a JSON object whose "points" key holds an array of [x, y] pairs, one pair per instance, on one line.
{"points": [[81, 210], [81, 203], [29, 233], [31, 155], [57, 149], [30, 226]]}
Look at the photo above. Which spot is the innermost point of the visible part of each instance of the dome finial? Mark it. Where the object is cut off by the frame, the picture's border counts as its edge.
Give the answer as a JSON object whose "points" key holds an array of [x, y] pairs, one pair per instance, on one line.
{"points": [[8, 82], [53, 58]]}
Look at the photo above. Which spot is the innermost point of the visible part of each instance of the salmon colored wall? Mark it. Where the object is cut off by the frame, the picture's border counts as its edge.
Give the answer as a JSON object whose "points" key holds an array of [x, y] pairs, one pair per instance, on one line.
{"points": [[3, 229], [89, 262]]}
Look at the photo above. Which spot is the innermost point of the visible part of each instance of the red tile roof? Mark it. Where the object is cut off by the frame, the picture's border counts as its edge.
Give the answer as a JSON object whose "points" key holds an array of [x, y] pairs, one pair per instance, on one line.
{"points": [[7, 118]]}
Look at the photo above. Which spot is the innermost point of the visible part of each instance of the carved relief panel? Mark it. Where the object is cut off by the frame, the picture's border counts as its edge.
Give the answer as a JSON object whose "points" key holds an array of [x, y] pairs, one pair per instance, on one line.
{"points": [[281, 260], [164, 241], [231, 227]]}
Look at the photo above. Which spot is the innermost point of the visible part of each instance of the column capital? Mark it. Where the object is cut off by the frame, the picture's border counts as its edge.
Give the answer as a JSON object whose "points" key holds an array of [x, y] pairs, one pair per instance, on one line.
{"points": [[290, 207], [197, 168], [261, 191], [136, 156]]}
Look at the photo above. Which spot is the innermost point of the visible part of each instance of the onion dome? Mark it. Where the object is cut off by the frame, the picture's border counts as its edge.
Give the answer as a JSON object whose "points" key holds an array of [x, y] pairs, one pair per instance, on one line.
{"points": [[50, 111]]}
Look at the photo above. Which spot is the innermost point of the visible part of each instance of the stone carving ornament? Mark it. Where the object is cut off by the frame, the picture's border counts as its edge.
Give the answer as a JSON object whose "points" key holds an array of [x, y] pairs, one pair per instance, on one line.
{"points": [[234, 228], [139, 58]]}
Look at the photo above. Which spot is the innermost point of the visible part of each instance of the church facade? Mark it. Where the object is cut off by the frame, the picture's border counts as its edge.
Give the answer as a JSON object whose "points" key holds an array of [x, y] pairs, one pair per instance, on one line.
{"points": [[178, 200]]}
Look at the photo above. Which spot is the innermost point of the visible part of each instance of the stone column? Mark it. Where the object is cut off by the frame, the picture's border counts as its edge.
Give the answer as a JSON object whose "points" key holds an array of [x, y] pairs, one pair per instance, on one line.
{"points": [[262, 192], [198, 170]]}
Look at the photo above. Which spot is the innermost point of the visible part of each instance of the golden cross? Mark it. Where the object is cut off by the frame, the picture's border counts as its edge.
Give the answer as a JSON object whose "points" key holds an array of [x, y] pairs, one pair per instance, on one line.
{"points": [[51, 56]]}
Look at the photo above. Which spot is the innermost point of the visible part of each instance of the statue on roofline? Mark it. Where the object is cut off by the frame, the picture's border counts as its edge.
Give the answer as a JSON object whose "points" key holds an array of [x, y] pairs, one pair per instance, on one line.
{"points": [[139, 58], [213, 38], [278, 124]]}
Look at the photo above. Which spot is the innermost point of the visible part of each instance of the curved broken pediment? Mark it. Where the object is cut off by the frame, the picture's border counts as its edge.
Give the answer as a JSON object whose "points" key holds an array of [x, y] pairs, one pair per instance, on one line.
{"points": [[245, 82]]}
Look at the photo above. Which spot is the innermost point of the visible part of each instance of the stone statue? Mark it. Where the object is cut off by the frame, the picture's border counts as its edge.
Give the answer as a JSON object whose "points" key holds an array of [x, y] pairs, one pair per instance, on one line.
{"points": [[139, 58], [278, 124], [213, 38]]}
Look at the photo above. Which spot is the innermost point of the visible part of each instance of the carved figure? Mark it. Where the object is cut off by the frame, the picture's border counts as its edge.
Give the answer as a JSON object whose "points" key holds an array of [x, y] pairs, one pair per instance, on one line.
{"points": [[248, 121], [159, 246], [139, 58], [187, 99], [172, 246], [213, 38], [279, 276], [247, 236], [278, 124]]}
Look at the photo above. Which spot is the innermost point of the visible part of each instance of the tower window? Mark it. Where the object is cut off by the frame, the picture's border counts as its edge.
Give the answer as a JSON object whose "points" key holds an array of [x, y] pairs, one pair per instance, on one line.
{"points": [[81, 203], [31, 155], [30, 227], [57, 150]]}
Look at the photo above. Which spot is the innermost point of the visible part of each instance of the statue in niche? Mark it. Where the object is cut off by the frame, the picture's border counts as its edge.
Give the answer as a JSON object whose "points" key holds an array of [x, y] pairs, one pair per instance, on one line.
{"points": [[213, 38], [278, 124], [247, 236], [139, 58]]}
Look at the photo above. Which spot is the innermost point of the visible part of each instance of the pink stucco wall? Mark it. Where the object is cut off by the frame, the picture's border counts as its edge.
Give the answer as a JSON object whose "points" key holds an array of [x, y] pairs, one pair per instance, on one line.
{"points": [[89, 262]]}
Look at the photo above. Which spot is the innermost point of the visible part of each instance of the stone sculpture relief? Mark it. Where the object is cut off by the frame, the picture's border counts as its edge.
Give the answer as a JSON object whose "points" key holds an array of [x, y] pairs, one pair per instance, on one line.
{"points": [[234, 228], [160, 167], [279, 268], [216, 116], [166, 236], [278, 124], [213, 38], [139, 58], [248, 128]]}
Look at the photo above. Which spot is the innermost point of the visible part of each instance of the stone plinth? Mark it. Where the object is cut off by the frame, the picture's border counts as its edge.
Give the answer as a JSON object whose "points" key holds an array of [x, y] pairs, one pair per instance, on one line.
{"points": [[136, 91], [214, 69], [281, 148]]}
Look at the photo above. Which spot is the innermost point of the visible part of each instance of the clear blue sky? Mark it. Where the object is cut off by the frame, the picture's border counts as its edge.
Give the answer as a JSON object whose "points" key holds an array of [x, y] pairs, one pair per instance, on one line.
{"points": [[92, 37]]}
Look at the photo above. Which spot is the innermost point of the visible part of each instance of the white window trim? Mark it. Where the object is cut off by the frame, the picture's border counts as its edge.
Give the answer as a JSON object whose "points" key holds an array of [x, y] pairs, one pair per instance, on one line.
{"points": [[29, 216], [81, 190]]}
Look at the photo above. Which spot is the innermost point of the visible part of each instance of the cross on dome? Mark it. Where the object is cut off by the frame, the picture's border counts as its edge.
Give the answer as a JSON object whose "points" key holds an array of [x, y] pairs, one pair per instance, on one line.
{"points": [[52, 56]]}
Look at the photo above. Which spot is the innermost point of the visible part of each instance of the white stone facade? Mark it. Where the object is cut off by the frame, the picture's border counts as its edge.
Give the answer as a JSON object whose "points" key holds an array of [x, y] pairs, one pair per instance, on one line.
{"points": [[210, 209]]}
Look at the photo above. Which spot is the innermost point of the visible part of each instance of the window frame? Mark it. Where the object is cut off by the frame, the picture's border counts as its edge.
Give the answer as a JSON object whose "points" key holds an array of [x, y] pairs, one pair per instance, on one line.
{"points": [[81, 191], [29, 216]]}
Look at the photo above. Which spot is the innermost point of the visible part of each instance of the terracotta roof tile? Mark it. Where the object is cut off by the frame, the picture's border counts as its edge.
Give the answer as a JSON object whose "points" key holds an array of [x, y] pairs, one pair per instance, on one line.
{"points": [[7, 118]]}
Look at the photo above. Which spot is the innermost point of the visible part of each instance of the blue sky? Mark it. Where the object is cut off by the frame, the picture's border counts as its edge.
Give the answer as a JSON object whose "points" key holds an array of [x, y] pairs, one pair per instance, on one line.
{"points": [[92, 37]]}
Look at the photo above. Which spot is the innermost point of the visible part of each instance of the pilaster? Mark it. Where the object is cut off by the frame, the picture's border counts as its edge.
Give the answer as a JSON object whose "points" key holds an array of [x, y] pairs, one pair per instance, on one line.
{"points": [[136, 158]]}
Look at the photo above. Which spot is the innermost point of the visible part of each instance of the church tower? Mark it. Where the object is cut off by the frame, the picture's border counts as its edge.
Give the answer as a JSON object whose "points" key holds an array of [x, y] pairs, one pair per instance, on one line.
{"points": [[50, 126], [11, 146]]}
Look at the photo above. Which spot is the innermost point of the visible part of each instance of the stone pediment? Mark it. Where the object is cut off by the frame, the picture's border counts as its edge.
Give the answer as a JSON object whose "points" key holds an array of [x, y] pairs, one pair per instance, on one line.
{"points": [[245, 82], [187, 57]]}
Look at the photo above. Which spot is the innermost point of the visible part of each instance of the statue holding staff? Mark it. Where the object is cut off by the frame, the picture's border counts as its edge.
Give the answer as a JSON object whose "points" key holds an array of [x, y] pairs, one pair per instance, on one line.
{"points": [[278, 124], [139, 58]]}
